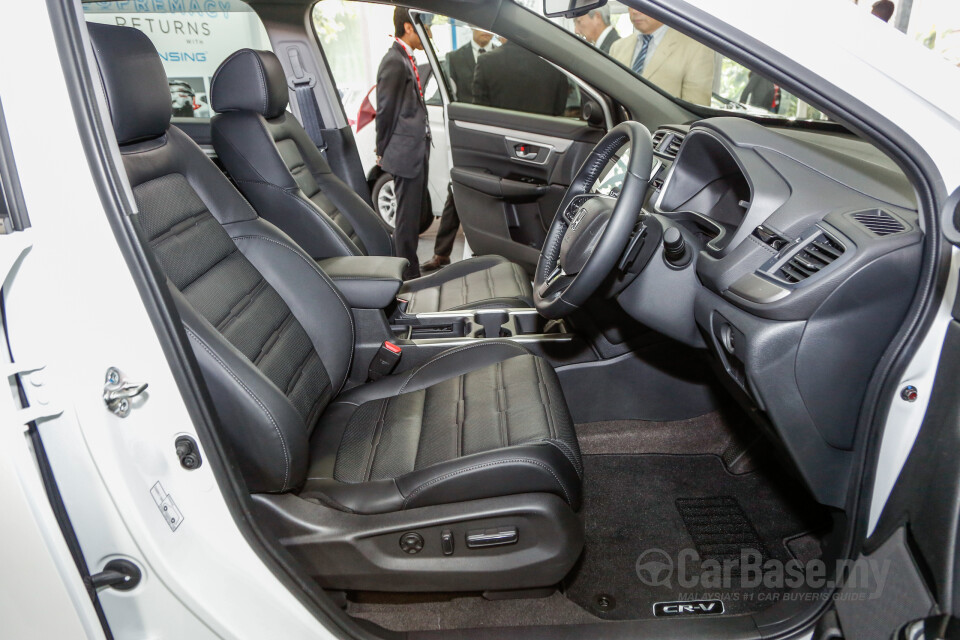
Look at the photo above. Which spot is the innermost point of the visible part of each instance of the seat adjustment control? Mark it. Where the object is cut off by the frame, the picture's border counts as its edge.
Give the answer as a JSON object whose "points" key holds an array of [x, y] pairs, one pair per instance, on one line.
{"points": [[411, 542], [494, 537], [446, 542]]}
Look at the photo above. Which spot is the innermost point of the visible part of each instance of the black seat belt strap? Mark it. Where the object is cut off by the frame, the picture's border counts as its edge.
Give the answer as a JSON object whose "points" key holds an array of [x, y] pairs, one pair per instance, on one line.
{"points": [[303, 85]]}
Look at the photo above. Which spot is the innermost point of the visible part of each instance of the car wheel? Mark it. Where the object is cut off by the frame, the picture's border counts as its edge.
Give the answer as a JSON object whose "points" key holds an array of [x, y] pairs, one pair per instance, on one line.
{"points": [[384, 197]]}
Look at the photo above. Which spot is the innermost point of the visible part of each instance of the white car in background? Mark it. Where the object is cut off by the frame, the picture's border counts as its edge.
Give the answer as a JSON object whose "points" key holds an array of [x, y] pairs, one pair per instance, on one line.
{"points": [[362, 121]]}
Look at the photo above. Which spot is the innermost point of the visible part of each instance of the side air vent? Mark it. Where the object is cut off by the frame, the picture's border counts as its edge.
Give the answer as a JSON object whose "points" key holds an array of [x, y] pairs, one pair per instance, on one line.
{"points": [[673, 146], [879, 222], [666, 143], [812, 257]]}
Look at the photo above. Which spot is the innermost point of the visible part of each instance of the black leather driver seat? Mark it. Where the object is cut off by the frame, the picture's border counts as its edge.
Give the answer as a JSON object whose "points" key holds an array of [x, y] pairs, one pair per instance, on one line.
{"points": [[288, 181], [275, 342]]}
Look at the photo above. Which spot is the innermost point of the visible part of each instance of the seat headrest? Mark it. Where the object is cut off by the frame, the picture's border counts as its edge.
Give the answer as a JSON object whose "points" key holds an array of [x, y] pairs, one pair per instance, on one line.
{"points": [[250, 81], [133, 80]]}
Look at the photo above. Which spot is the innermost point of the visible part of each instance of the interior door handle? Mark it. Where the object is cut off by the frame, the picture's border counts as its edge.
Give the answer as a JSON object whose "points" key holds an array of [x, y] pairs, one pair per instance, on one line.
{"points": [[526, 151]]}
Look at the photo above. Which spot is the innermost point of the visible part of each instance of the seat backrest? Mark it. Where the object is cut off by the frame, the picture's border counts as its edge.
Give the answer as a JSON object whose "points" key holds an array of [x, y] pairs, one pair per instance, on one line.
{"points": [[273, 336], [278, 167]]}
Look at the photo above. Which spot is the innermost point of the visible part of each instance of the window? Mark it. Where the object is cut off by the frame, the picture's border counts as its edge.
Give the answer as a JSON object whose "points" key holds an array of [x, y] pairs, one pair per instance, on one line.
{"points": [[355, 35], [514, 78], [192, 41], [678, 64], [694, 73]]}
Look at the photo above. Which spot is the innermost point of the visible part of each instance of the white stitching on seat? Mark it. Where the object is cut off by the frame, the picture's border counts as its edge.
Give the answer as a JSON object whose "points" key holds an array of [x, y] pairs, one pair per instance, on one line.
{"points": [[494, 463], [443, 355], [263, 407]]}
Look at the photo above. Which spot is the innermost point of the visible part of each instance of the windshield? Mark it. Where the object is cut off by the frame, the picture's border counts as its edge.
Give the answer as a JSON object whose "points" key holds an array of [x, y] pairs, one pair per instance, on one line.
{"points": [[694, 73]]}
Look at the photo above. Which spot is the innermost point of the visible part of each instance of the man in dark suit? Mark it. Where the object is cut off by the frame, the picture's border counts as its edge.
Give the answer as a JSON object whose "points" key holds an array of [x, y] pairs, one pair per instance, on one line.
{"points": [[596, 29], [461, 64], [511, 77], [403, 135]]}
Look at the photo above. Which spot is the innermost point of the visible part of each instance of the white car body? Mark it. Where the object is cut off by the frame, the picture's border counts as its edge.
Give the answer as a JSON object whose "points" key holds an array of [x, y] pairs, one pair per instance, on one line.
{"points": [[71, 306]]}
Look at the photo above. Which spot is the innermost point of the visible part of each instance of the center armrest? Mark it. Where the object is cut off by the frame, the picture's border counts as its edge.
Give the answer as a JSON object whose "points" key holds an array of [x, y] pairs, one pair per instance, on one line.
{"points": [[367, 282]]}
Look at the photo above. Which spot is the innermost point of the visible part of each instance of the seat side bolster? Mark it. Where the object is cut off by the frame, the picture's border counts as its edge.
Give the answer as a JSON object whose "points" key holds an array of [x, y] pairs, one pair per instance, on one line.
{"points": [[292, 211], [375, 496], [373, 231], [267, 433], [529, 468], [305, 288]]}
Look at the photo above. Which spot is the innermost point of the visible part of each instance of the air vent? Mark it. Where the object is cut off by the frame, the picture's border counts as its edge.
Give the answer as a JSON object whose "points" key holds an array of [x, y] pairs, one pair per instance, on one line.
{"points": [[810, 259], [673, 146], [667, 143], [879, 222]]}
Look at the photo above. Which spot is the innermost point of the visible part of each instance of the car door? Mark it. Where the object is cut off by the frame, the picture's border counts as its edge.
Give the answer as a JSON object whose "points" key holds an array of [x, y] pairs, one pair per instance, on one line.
{"points": [[905, 583], [510, 165]]}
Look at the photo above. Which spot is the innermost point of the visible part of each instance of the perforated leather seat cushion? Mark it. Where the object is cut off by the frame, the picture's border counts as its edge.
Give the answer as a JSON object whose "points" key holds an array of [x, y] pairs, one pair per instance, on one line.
{"points": [[513, 408], [487, 281]]}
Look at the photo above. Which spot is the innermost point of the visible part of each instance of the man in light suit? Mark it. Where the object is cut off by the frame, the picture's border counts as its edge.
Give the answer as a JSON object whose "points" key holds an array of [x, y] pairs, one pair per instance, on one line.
{"points": [[596, 29], [677, 64]]}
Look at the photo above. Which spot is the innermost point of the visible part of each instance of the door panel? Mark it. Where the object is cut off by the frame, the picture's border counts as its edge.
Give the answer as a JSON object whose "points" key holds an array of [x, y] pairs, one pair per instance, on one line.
{"points": [[510, 171]]}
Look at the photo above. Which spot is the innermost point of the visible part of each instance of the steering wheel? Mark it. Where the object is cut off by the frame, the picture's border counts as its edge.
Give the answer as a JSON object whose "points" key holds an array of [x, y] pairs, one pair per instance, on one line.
{"points": [[591, 231]]}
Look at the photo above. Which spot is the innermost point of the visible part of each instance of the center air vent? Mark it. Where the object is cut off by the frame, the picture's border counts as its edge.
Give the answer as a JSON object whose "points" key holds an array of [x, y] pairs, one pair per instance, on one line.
{"points": [[667, 143], [879, 222], [812, 257]]}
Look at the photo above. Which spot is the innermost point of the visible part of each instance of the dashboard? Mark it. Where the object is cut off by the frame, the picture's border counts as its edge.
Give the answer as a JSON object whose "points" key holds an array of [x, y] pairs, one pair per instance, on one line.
{"points": [[806, 254]]}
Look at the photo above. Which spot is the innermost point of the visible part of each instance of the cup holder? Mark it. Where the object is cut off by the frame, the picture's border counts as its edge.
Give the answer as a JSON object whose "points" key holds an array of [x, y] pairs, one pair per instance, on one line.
{"points": [[491, 324]]}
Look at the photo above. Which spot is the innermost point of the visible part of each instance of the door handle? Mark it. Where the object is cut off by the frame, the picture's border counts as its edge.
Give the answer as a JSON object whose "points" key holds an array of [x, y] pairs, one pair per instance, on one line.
{"points": [[526, 151]]}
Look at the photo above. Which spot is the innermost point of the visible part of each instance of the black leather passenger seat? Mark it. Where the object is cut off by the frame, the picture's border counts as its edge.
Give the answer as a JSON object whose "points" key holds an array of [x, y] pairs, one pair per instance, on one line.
{"points": [[282, 173], [275, 342]]}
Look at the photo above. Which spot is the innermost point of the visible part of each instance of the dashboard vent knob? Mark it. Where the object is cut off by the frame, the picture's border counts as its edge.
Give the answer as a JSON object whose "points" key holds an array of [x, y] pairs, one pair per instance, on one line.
{"points": [[879, 222], [812, 257]]}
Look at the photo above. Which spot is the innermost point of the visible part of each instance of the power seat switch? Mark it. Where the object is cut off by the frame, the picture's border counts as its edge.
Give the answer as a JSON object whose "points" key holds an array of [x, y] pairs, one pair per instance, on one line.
{"points": [[385, 361], [495, 537], [446, 542]]}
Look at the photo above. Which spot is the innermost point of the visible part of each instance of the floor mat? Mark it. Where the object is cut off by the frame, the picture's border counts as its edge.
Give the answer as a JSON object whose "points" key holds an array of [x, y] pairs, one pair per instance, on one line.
{"points": [[660, 528]]}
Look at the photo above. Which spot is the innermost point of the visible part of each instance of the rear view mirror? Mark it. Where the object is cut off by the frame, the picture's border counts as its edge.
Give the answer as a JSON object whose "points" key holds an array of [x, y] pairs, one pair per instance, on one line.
{"points": [[570, 8]]}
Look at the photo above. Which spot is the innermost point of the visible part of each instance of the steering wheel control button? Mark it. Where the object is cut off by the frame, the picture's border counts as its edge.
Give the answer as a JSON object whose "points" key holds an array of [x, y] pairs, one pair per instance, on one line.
{"points": [[446, 542], [411, 542], [493, 537], [674, 248]]}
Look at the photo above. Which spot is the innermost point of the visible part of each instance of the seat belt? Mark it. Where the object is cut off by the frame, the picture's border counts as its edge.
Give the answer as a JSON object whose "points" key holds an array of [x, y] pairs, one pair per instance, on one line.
{"points": [[303, 85]]}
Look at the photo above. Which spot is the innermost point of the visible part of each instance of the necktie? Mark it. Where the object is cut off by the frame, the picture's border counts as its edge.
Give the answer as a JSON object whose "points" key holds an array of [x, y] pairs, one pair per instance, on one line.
{"points": [[481, 50], [413, 63], [641, 60]]}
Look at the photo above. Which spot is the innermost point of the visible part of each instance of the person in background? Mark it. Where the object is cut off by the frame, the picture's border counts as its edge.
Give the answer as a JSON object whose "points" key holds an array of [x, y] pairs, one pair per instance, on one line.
{"points": [[511, 77], [403, 135], [883, 9], [460, 64], [679, 65], [596, 29], [762, 93]]}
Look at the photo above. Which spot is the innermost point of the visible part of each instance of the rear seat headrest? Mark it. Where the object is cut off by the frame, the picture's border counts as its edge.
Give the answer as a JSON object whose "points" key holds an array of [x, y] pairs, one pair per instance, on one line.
{"points": [[250, 81], [134, 82]]}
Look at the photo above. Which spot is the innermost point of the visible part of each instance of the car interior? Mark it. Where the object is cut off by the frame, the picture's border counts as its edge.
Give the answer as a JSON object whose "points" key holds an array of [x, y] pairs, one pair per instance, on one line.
{"points": [[662, 344]]}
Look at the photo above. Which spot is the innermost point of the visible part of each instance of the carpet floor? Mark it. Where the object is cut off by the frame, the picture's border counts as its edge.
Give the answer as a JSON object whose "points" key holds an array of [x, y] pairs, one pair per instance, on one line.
{"points": [[642, 513]]}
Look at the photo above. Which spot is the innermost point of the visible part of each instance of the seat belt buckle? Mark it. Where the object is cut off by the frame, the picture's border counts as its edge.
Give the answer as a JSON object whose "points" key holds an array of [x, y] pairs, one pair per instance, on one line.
{"points": [[383, 364]]}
